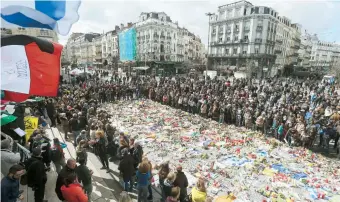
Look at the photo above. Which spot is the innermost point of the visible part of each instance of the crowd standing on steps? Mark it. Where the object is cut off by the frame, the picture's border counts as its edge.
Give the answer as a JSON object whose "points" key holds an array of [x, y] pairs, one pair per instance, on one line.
{"points": [[297, 112]]}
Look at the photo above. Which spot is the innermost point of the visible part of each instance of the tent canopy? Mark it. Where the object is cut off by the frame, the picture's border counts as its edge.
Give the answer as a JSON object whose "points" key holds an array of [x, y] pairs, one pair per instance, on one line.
{"points": [[76, 71], [141, 68]]}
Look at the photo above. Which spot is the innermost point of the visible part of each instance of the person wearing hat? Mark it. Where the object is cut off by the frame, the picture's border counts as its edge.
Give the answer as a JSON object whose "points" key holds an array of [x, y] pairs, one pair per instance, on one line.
{"points": [[181, 181], [36, 174]]}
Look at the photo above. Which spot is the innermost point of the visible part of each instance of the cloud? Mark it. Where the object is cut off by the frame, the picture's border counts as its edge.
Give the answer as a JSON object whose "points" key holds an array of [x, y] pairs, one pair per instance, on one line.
{"points": [[321, 17]]}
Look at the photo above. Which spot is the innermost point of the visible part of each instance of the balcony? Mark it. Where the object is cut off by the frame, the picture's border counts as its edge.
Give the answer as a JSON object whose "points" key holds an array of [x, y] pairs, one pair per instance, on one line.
{"points": [[258, 40], [162, 37], [244, 41], [259, 28], [156, 36], [246, 29], [277, 51]]}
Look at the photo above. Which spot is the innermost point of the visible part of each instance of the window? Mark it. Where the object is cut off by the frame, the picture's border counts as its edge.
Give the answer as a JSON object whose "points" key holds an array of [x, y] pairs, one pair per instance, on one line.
{"points": [[227, 51], [256, 10], [235, 51], [246, 37], [236, 38], [256, 51], [228, 38], [244, 51], [266, 11], [220, 39]]}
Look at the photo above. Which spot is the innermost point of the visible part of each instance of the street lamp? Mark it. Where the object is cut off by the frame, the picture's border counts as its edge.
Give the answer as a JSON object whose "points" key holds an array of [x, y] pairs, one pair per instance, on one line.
{"points": [[206, 68]]}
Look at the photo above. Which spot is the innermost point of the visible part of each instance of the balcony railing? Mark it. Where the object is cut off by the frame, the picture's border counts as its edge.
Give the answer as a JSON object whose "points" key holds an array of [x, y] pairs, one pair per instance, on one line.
{"points": [[162, 37], [277, 51], [156, 36], [246, 29], [258, 40]]}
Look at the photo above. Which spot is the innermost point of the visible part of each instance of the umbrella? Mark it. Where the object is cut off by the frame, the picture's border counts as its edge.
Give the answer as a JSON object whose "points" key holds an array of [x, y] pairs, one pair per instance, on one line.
{"points": [[5, 119]]}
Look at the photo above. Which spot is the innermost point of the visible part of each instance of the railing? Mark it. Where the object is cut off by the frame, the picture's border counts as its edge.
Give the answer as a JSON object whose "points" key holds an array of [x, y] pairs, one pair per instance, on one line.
{"points": [[257, 40], [24, 153]]}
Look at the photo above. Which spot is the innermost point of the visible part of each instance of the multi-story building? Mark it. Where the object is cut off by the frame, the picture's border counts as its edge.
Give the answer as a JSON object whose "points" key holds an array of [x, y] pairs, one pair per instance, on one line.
{"points": [[36, 32], [109, 45], [287, 44], [81, 50], [305, 51], [97, 51], [160, 39], [252, 38], [324, 54], [242, 36]]}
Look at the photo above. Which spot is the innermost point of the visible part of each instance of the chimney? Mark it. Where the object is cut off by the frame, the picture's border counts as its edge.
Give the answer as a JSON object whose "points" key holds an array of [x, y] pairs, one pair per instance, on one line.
{"points": [[117, 28], [122, 26], [129, 24]]}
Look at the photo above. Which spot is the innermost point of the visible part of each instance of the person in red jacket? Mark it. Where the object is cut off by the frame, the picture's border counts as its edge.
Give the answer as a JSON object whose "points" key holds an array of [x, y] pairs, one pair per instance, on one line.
{"points": [[72, 190]]}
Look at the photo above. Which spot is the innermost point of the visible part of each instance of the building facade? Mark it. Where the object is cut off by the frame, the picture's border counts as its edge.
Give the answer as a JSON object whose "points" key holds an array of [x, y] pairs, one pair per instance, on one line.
{"points": [[252, 38], [36, 32], [242, 37], [324, 55], [109, 46], [81, 48], [305, 51], [160, 39]]}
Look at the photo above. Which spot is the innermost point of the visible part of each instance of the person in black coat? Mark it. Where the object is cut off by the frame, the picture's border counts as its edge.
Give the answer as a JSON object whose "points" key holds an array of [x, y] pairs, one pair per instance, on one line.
{"points": [[67, 170], [127, 168], [36, 174], [100, 150], [51, 112], [181, 181]]}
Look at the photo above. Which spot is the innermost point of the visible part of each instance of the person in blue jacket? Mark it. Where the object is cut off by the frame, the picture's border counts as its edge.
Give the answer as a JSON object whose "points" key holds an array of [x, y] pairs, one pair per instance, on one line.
{"points": [[10, 184]]}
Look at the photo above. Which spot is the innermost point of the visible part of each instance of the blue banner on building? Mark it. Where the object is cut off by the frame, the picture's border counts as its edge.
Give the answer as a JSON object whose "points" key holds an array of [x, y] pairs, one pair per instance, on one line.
{"points": [[127, 45]]}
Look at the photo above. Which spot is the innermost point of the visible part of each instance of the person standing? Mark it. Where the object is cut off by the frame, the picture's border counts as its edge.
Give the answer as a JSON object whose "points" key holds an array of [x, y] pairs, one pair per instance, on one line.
{"points": [[74, 127], [143, 176], [57, 155], [72, 190], [64, 124], [127, 168], [10, 184], [181, 181], [168, 184], [51, 112], [8, 158], [36, 174], [199, 192], [68, 169], [84, 176], [100, 146]]}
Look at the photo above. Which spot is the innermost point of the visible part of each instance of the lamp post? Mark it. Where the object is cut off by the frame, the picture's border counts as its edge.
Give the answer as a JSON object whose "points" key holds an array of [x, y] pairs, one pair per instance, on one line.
{"points": [[206, 68]]}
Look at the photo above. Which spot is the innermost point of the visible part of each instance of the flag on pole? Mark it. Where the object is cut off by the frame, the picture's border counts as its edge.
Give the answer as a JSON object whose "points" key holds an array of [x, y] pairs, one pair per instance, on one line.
{"points": [[29, 66], [57, 15]]}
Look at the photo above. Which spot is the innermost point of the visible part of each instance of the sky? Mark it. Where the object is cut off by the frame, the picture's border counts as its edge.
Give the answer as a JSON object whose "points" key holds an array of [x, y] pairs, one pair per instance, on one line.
{"points": [[317, 16]]}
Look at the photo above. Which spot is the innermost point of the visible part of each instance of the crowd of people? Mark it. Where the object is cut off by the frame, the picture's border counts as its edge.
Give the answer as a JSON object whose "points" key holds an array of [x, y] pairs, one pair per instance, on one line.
{"points": [[296, 112]]}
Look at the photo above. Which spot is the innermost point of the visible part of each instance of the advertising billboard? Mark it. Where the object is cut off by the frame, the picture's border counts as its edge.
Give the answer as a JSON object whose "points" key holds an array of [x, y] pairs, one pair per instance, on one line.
{"points": [[127, 45]]}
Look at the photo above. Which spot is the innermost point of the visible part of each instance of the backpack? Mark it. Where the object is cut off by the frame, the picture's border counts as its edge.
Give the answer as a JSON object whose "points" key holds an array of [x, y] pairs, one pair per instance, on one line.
{"points": [[56, 155], [80, 155]]}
